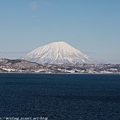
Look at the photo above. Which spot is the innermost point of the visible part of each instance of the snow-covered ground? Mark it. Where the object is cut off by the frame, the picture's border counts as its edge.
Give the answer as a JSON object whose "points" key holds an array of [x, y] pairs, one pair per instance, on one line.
{"points": [[22, 66]]}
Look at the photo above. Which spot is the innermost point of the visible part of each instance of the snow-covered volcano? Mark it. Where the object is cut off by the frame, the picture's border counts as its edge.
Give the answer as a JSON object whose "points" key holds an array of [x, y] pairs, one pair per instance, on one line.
{"points": [[57, 53]]}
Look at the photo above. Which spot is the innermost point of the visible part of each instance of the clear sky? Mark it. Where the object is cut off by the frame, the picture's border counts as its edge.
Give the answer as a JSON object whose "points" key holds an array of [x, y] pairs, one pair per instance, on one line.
{"points": [[92, 26]]}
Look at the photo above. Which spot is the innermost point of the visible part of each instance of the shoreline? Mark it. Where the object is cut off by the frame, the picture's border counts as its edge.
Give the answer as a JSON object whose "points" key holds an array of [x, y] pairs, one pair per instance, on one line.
{"points": [[62, 73]]}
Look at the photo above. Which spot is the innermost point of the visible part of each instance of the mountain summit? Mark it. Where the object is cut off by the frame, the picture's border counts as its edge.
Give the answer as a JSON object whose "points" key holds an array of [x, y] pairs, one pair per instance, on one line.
{"points": [[57, 53]]}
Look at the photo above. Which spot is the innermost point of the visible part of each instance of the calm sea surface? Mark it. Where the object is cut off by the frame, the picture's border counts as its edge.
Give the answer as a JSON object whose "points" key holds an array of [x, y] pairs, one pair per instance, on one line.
{"points": [[60, 96]]}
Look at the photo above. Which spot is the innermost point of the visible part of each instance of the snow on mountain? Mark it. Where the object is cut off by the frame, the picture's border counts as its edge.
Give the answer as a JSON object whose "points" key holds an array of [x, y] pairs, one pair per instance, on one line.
{"points": [[57, 53]]}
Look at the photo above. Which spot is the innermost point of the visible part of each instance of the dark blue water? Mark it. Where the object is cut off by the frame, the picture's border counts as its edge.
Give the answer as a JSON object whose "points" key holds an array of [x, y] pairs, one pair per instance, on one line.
{"points": [[60, 97]]}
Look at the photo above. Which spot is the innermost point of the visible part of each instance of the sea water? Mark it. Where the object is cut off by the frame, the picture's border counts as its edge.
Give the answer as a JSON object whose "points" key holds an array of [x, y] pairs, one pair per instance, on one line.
{"points": [[60, 96]]}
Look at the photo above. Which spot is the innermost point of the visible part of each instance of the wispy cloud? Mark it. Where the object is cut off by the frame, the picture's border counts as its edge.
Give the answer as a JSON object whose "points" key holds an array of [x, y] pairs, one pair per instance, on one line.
{"points": [[34, 5], [19, 52]]}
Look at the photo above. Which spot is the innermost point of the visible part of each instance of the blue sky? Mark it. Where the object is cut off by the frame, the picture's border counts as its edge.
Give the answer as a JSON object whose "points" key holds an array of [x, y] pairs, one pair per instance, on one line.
{"points": [[92, 26]]}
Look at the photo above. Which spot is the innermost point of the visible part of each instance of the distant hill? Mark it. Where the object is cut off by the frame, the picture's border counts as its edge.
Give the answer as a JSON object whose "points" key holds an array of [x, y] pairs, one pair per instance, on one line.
{"points": [[23, 66]]}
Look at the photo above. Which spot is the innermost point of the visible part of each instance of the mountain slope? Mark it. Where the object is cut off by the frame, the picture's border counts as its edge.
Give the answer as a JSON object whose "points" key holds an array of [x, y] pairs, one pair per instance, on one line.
{"points": [[57, 53]]}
